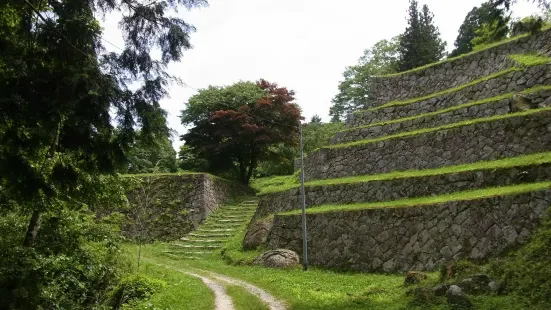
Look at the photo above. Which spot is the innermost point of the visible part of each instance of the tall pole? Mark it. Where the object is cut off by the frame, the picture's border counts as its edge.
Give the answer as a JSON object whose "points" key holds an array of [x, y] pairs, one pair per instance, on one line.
{"points": [[303, 196]]}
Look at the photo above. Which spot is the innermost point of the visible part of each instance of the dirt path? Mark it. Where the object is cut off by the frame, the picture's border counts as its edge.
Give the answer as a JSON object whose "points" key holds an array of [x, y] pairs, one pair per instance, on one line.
{"points": [[272, 302], [222, 301]]}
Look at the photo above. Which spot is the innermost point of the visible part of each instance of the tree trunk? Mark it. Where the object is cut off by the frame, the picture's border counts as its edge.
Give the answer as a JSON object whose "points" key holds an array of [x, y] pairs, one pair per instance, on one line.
{"points": [[32, 229], [252, 166]]}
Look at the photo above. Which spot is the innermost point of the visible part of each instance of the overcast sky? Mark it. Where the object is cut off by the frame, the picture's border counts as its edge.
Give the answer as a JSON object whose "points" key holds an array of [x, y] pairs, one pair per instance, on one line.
{"points": [[303, 45]]}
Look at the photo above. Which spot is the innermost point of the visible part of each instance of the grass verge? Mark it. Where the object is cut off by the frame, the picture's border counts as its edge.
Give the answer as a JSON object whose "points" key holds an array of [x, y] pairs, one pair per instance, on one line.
{"points": [[438, 128], [243, 300], [429, 200], [519, 161], [452, 108], [182, 291]]}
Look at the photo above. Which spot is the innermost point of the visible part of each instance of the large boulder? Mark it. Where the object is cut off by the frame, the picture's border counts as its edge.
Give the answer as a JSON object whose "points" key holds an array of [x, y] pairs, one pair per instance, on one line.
{"points": [[455, 296], [257, 234], [279, 258]]}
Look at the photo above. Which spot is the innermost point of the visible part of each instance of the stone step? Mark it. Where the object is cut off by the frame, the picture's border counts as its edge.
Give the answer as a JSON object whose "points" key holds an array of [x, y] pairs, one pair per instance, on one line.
{"points": [[188, 252], [515, 81], [217, 230], [418, 184], [482, 139], [211, 235], [193, 246], [471, 110], [230, 220], [417, 236], [199, 241]]}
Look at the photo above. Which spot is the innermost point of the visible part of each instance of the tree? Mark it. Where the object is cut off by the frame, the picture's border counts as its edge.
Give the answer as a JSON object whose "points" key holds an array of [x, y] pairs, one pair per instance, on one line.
{"points": [[353, 94], [155, 156], [475, 19], [315, 119], [421, 43], [235, 126], [544, 4], [57, 91], [488, 33]]}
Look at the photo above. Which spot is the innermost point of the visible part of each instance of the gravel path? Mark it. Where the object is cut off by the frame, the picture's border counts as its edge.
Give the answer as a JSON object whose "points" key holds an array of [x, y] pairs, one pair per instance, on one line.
{"points": [[222, 301], [267, 298]]}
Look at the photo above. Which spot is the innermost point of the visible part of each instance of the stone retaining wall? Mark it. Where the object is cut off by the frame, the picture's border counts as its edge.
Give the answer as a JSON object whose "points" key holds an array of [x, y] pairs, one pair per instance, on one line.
{"points": [[508, 137], [414, 238], [400, 188], [457, 72], [169, 206], [536, 100], [515, 81]]}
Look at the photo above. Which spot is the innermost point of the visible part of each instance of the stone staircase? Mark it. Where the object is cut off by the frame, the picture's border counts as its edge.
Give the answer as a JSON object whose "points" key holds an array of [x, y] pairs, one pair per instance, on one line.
{"points": [[451, 162], [211, 235]]}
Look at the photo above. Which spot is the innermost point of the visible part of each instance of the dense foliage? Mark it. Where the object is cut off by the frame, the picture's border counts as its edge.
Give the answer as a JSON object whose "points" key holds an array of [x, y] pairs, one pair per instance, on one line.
{"points": [[486, 14], [353, 94], [421, 43], [236, 126], [58, 93], [151, 157]]}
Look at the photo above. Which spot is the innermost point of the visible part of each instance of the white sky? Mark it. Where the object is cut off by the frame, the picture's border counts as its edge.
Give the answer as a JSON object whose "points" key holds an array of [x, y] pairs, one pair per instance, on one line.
{"points": [[303, 45]]}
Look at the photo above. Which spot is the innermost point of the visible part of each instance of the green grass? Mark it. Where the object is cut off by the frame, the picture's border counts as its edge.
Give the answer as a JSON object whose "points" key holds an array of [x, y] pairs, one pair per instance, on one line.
{"points": [[520, 161], [234, 254], [320, 289], [528, 60], [478, 50], [243, 300], [452, 108], [443, 92], [433, 129], [429, 200], [261, 184], [182, 291]]}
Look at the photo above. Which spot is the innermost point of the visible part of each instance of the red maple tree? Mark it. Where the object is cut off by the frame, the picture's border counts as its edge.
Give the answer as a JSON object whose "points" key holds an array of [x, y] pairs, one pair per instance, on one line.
{"points": [[240, 136]]}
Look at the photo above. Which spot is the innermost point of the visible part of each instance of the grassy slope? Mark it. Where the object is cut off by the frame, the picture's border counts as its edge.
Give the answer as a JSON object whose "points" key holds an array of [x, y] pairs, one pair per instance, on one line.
{"points": [[326, 290], [452, 108], [525, 160], [409, 202]]}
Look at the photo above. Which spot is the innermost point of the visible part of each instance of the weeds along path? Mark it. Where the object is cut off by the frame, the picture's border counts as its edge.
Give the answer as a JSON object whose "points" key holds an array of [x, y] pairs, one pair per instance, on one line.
{"points": [[217, 282]]}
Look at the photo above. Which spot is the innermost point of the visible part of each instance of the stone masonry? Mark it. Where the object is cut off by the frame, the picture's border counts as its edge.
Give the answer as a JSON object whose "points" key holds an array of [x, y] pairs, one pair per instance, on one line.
{"points": [[460, 71], [414, 238]]}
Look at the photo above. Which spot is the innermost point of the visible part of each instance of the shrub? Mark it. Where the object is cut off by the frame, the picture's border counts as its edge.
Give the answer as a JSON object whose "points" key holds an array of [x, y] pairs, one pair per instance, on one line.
{"points": [[74, 263], [134, 289]]}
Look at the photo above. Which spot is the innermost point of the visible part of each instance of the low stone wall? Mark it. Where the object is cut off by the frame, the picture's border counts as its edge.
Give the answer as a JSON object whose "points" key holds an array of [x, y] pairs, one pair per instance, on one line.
{"points": [[415, 238], [512, 136], [515, 81], [513, 104], [457, 72], [167, 207], [400, 188]]}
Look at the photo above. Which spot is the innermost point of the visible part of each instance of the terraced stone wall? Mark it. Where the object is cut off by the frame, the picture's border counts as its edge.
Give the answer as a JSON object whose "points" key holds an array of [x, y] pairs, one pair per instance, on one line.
{"points": [[515, 81], [400, 188], [508, 137], [169, 206], [414, 238], [460, 71]]}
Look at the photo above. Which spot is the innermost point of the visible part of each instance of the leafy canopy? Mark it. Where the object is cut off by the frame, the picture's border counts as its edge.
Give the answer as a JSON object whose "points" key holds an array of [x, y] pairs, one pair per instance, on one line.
{"points": [[353, 94], [235, 126]]}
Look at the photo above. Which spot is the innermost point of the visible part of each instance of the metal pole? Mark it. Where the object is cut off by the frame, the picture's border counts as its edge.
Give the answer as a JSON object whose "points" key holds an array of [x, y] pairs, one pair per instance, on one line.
{"points": [[303, 195]]}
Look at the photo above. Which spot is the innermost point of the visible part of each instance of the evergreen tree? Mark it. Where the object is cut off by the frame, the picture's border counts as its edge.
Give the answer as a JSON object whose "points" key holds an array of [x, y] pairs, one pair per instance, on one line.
{"points": [[421, 43], [475, 19]]}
